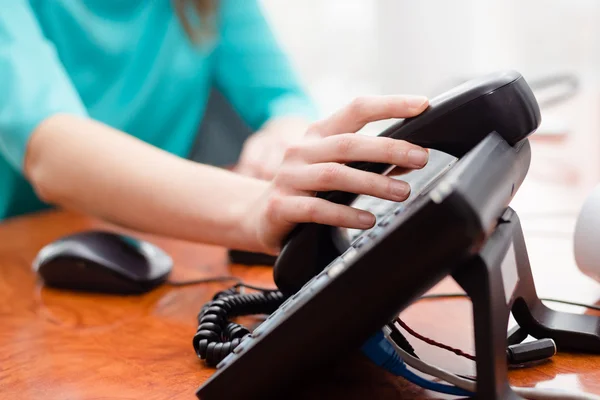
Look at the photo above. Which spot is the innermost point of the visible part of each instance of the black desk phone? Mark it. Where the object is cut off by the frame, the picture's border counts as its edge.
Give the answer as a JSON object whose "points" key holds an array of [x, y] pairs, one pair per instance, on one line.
{"points": [[454, 123], [341, 293]]}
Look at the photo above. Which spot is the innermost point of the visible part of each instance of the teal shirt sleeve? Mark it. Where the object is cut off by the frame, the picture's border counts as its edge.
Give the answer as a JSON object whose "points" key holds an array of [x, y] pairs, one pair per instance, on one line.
{"points": [[34, 84], [251, 69]]}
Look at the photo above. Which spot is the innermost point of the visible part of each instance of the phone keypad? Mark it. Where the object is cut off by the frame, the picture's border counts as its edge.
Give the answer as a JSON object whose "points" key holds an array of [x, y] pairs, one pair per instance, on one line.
{"points": [[360, 242], [388, 214]]}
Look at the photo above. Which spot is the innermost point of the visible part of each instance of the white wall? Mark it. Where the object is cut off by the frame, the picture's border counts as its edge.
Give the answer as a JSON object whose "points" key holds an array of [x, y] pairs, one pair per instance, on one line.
{"points": [[343, 48]]}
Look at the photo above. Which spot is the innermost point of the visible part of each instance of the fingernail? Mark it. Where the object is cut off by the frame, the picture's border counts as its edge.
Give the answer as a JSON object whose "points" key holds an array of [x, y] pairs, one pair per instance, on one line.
{"points": [[400, 189], [366, 219], [416, 101], [418, 158]]}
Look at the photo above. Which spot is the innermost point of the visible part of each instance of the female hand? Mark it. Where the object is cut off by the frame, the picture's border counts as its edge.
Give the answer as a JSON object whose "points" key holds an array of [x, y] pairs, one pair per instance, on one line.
{"points": [[316, 163], [263, 152]]}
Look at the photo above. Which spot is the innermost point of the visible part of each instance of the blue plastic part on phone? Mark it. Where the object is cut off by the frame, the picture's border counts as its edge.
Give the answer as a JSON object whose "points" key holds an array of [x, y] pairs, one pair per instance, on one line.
{"points": [[381, 352]]}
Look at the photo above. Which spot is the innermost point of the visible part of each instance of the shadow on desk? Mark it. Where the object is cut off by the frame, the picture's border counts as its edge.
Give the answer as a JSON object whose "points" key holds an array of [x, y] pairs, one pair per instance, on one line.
{"points": [[356, 377]]}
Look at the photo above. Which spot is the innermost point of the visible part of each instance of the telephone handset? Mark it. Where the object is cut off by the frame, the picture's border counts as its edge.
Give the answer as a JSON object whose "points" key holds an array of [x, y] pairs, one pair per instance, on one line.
{"points": [[454, 123]]}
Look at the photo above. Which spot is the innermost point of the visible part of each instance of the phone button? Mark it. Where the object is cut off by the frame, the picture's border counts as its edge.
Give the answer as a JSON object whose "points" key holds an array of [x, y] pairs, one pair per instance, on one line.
{"points": [[349, 254], [335, 269], [319, 283], [358, 243], [374, 233], [385, 222], [241, 347], [226, 361]]}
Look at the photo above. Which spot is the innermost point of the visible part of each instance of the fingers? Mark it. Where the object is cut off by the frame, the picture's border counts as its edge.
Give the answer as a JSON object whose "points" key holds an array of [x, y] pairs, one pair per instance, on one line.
{"points": [[367, 109], [247, 163], [257, 162], [333, 176], [301, 209], [271, 162], [397, 171], [350, 147]]}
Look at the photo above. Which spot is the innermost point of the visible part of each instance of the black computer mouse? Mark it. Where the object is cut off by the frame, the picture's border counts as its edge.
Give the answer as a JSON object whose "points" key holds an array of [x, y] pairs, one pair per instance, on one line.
{"points": [[102, 262]]}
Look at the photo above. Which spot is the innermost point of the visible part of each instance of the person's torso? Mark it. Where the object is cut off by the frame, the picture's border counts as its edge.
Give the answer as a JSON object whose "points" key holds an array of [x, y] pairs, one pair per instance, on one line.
{"points": [[132, 65], [134, 69]]}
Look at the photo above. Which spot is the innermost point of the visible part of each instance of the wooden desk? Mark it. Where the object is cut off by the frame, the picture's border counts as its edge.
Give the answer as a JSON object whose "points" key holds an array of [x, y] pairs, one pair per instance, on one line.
{"points": [[59, 345]]}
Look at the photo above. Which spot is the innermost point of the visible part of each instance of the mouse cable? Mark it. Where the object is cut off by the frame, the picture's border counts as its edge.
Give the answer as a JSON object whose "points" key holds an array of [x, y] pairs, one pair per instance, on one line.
{"points": [[217, 336], [214, 279], [224, 278], [540, 349], [434, 296], [471, 386]]}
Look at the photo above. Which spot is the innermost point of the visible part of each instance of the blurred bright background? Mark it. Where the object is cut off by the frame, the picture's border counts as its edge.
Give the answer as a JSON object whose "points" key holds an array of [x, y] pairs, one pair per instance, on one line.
{"points": [[346, 48]]}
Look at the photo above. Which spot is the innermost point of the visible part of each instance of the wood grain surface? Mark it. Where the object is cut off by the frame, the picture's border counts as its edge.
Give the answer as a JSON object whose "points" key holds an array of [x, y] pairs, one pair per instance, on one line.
{"points": [[73, 346]]}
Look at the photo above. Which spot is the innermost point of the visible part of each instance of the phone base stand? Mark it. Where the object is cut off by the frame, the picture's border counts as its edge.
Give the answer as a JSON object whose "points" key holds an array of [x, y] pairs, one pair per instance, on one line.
{"points": [[499, 281]]}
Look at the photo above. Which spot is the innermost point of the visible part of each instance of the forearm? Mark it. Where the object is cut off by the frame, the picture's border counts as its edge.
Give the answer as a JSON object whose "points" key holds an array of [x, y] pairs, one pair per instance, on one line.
{"points": [[85, 165]]}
